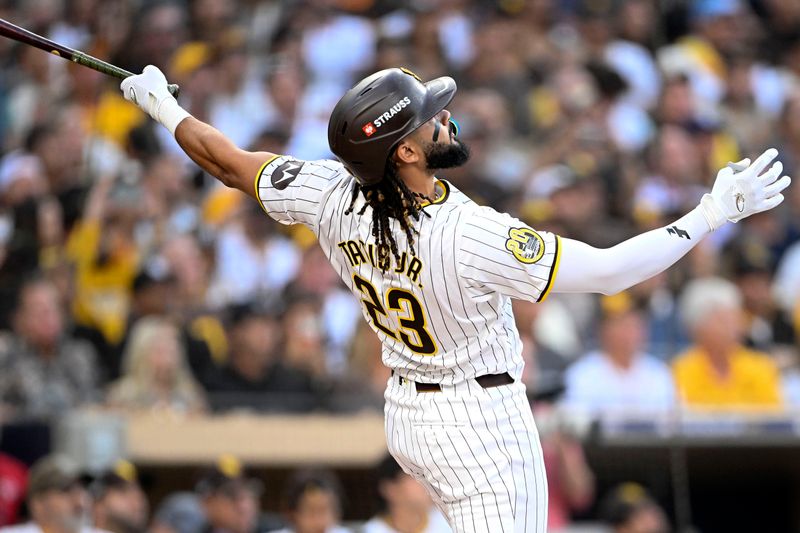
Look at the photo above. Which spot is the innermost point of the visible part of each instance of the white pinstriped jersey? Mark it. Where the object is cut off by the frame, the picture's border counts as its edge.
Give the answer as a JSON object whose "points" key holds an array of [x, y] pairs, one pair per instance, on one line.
{"points": [[444, 314]]}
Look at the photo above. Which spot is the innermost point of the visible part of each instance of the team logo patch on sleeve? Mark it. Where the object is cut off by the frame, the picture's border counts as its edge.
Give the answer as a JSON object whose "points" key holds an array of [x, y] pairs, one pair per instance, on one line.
{"points": [[285, 174], [526, 245]]}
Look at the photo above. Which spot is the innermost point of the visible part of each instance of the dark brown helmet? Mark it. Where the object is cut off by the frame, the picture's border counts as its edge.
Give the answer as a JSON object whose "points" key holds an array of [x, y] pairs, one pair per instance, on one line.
{"points": [[371, 118]]}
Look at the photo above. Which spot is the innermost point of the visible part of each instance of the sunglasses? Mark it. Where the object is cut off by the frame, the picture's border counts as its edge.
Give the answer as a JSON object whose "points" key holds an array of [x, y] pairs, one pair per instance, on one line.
{"points": [[437, 125]]}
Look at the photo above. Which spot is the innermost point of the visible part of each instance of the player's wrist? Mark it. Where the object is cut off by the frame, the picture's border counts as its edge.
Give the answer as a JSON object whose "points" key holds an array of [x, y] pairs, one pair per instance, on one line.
{"points": [[712, 212], [170, 114]]}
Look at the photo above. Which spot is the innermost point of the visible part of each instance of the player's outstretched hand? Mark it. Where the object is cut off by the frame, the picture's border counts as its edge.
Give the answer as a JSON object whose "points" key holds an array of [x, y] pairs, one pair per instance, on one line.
{"points": [[737, 194], [149, 91]]}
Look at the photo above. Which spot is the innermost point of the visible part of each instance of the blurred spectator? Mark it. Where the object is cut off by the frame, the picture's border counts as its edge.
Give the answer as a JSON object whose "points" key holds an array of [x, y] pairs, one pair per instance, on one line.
{"points": [[406, 506], [155, 373], [106, 260], [340, 312], [591, 119], [628, 508], [550, 340], [363, 386], [676, 179], [47, 372], [191, 268], [181, 512], [303, 336], [620, 377], [203, 336], [717, 371], [766, 326], [256, 375], [312, 499], [252, 261], [230, 500], [13, 486], [786, 285], [570, 480], [57, 501], [119, 505]]}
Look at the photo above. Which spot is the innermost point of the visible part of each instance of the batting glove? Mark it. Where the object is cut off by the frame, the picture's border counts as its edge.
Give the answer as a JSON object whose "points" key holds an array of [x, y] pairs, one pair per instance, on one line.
{"points": [[149, 91], [737, 194]]}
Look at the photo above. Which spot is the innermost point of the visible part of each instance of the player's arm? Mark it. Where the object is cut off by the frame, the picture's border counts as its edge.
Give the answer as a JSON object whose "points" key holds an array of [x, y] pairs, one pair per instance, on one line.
{"points": [[206, 145], [734, 196]]}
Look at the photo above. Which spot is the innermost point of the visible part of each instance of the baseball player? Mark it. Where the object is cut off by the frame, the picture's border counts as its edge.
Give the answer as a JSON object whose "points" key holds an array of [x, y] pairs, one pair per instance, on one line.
{"points": [[436, 273]]}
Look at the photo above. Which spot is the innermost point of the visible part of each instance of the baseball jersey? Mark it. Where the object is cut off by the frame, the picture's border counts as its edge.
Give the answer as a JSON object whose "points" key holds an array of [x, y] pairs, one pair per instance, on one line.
{"points": [[443, 314]]}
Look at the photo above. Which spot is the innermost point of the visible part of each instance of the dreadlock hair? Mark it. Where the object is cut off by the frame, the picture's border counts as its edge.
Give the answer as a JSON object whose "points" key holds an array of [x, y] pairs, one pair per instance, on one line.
{"points": [[389, 198]]}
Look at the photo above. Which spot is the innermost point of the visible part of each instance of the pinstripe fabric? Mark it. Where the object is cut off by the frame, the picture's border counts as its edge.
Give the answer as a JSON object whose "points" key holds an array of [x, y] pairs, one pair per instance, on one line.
{"points": [[475, 450]]}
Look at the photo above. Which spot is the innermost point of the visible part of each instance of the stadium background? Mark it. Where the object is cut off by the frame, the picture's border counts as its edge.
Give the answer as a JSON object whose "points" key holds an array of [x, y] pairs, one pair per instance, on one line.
{"points": [[593, 119]]}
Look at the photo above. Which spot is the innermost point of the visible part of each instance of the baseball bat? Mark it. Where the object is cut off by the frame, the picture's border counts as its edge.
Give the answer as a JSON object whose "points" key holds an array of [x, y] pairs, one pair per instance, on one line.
{"points": [[22, 35]]}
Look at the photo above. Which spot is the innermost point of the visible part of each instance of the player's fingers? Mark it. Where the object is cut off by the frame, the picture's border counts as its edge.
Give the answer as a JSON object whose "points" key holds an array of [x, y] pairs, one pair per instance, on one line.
{"points": [[763, 161], [739, 165], [775, 201], [126, 86], [154, 73], [778, 186], [772, 173]]}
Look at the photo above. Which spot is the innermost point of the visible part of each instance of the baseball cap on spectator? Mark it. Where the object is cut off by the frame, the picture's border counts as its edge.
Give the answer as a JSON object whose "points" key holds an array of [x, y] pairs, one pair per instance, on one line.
{"points": [[751, 259], [617, 304], [227, 475], [542, 185], [182, 512], [121, 475], [53, 472], [154, 272], [703, 10], [623, 502], [552, 179], [18, 166], [188, 58]]}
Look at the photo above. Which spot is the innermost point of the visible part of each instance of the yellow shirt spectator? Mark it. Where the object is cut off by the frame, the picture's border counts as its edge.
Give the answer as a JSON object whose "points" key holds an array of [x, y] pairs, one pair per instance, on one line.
{"points": [[102, 290], [752, 380]]}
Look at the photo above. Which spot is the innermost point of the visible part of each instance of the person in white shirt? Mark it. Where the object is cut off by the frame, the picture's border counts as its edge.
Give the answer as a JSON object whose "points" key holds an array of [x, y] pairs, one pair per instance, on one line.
{"points": [[57, 500], [406, 505], [619, 377]]}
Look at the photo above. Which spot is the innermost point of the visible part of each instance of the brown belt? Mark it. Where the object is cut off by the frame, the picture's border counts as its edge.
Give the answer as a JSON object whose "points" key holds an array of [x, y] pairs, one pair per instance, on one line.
{"points": [[487, 381]]}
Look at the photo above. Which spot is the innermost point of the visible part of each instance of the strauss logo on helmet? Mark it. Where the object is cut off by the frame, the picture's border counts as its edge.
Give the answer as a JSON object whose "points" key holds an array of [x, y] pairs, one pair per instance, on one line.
{"points": [[370, 128]]}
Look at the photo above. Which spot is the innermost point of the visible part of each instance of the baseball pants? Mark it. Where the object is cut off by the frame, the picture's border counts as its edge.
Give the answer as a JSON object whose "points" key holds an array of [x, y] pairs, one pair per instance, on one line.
{"points": [[475, 450]]}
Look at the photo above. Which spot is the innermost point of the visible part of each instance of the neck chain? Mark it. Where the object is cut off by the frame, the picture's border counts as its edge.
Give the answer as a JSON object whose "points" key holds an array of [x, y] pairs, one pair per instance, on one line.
{"points": [[427, 198]]}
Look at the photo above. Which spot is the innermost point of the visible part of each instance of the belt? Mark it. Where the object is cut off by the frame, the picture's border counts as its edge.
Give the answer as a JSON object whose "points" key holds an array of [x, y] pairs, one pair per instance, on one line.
{"points": [[486, 381]]}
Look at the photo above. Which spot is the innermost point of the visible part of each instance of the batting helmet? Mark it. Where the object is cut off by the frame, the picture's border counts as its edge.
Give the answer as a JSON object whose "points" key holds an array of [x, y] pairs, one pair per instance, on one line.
{"points": [[372, 117]]}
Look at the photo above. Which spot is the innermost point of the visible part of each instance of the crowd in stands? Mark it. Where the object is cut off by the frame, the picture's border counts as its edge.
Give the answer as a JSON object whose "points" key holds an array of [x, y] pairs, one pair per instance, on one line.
{"points": [[130, 280], [226, 498]]}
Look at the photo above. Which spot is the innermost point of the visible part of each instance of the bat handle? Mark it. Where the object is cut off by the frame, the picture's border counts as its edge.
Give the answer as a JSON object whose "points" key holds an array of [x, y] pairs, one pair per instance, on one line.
{"points": [[112, 70]]}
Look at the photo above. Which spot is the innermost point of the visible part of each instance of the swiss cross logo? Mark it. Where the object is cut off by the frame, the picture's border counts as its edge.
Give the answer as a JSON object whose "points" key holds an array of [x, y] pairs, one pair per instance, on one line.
{"points": [[368, 128]]}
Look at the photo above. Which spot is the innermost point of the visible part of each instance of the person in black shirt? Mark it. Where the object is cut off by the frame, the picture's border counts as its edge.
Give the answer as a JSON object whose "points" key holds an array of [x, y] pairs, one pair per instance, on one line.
{"points": [[255, 375]]}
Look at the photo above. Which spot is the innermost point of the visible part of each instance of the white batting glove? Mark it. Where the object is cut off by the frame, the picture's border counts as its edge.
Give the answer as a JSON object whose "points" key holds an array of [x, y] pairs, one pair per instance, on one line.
{"points": [[149, 91], [737, 194]]}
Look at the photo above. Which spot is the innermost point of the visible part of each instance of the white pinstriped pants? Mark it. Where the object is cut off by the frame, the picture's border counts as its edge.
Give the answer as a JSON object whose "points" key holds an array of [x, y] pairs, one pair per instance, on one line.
{"points": [[476, 450]]}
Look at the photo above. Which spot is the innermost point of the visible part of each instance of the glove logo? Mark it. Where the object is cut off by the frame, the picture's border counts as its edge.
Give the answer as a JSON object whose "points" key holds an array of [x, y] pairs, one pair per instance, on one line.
{"points": [[132, 94], [285, 174], [740, 202], [526, 245]]}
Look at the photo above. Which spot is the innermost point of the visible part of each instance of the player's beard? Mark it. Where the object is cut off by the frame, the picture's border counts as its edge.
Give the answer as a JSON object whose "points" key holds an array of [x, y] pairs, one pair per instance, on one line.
{"points": [[438, 156]]}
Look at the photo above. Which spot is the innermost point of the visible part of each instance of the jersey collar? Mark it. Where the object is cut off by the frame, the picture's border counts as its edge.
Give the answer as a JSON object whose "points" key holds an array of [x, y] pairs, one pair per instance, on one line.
{"points": [[443, 189]]}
